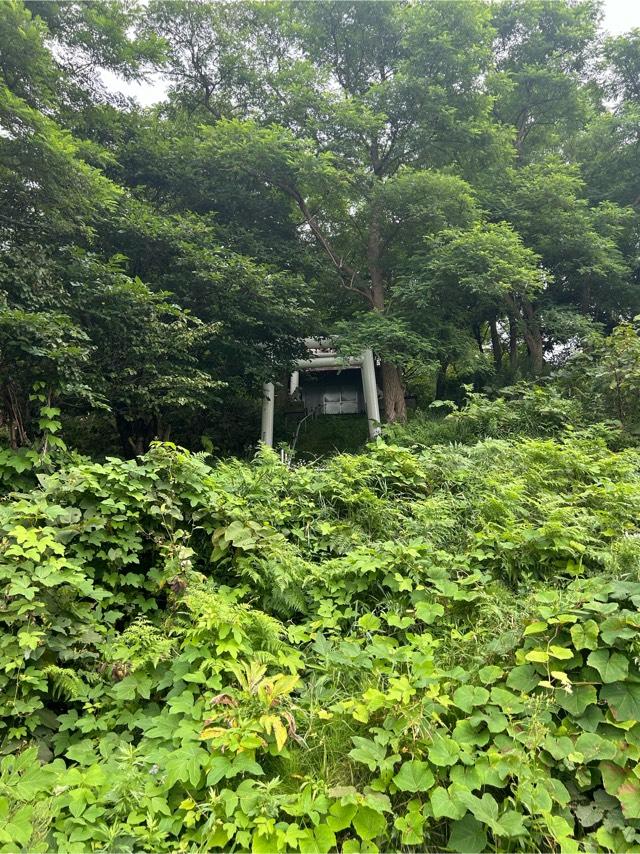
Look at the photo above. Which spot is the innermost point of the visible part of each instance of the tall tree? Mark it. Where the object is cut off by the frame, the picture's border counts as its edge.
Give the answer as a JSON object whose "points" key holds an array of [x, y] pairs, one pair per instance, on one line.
{"points": [[367, 97]]}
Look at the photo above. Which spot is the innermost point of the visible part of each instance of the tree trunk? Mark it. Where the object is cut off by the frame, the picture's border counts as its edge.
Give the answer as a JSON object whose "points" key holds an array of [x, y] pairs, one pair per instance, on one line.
{"points": [[441, 380], [513, 342], [16, 416], [496, 343], [477, 334], [533, 337], [395, 408]]}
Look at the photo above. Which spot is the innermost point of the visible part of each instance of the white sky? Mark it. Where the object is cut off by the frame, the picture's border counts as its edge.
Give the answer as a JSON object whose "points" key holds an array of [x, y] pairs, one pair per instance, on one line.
{"points": [[619, 16]]}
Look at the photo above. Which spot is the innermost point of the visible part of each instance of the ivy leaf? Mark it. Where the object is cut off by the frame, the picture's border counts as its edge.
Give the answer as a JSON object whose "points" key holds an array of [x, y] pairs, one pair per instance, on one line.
{"points": [[185, 765], [414, 776]]}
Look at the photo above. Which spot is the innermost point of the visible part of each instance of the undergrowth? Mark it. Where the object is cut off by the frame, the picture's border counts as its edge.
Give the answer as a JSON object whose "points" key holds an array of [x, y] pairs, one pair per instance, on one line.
{"points": [[404, 649]]}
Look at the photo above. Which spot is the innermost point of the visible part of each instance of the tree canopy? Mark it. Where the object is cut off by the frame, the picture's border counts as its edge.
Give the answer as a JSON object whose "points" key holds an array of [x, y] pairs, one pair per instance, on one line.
{"points": [[452, 184]]}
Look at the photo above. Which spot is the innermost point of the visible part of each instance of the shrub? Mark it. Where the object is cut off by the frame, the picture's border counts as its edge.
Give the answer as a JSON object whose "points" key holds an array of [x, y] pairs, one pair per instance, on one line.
{"points": [[432, 650]]}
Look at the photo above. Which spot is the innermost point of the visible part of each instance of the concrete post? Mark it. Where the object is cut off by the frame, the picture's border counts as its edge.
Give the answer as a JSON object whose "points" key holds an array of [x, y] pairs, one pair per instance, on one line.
{"points": [[370, 388], [268, 405]]}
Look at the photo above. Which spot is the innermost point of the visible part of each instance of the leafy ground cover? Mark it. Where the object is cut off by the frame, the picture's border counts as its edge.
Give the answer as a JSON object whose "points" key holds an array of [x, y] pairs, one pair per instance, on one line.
{"points": [[403, 649]]}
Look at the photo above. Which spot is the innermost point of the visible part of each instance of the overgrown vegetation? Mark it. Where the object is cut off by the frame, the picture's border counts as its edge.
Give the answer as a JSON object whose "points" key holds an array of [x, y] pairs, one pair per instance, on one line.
{"points": [[453, 184], [384, 651], [430, 643]]}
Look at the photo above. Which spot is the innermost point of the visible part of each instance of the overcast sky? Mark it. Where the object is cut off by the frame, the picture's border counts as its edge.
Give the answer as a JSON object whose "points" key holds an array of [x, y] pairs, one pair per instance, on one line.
{"points": [[619, 16]]}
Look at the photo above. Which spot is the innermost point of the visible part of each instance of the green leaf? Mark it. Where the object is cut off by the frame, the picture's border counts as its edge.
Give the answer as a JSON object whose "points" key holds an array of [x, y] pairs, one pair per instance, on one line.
{"points": [[560, 652], [576, 700], [485, 809], [429, 611], [539, 656], [585, 635], [629, 796], [593, 746], [340, 816], [489, 674], [443, 751], [369, 752], [467, 696], [623, 699], [414, 776], [612, 667], [535, 628], [467, 836], [613, 776], [368, 823], [444, 806], [523, 678]]}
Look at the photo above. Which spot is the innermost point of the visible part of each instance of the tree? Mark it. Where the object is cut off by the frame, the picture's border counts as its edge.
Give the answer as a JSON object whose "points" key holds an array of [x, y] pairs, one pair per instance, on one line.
{"points": [[482, 273], [389, 91], [542, 51]]}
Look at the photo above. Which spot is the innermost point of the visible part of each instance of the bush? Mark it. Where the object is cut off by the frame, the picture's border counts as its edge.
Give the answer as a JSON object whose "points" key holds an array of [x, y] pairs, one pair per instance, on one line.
{"points": [[521, 410], [393, 650]]}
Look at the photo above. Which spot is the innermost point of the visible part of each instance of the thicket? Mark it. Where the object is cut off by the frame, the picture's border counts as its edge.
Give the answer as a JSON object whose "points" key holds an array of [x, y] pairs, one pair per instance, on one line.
{"points": [[432, 644], [394, 650], [452, 184]]}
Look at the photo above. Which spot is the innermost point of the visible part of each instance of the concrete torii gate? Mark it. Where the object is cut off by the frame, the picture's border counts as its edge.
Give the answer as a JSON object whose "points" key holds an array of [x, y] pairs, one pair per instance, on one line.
{"points": [[367, 368]]}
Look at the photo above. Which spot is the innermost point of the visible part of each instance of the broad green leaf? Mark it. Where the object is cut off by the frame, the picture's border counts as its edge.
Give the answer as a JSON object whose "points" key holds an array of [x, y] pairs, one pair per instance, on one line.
{"points": [[414, 776], [593, 746], [560, 652], [585, 635], [340, 816], [577, 699], [613, 776], [538, 656], [467, 696], [443, 751], [490, 673], [467, 836], [536, 628], [428, 612], [623, 699], [444, 805], [612, 667], [523, 678], [629, 796], [368, 823], [369, 752]]}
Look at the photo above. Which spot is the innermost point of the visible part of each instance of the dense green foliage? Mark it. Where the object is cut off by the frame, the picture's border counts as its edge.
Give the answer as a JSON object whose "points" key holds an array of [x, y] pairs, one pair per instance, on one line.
{"points": [[397, 649], [431, 643], [450, 183]]}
